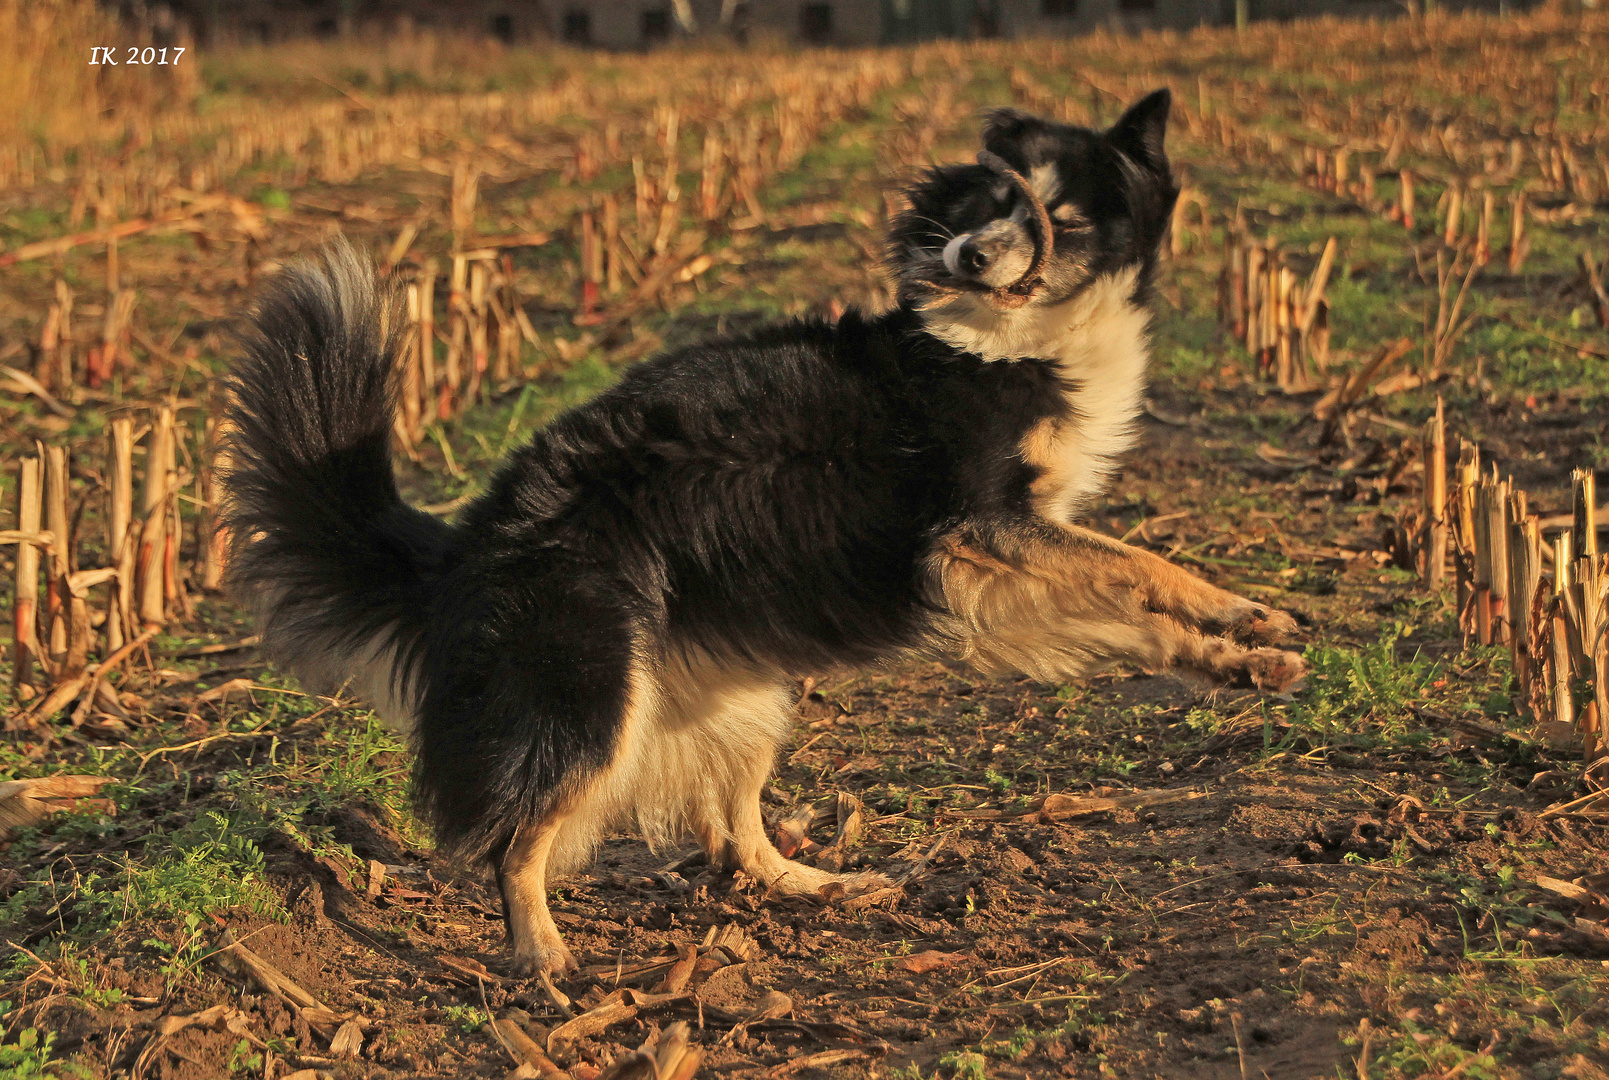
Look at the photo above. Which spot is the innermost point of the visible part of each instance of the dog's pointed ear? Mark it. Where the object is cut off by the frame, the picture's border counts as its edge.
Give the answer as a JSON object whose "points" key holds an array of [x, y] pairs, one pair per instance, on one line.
{"points": [[1022, 139], [1140, 132], [1006, 125]]}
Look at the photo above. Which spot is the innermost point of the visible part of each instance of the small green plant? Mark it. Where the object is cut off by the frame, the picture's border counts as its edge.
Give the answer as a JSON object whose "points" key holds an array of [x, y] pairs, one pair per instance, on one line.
{"points": [[243, 1059], [181, 958], [1420, 1052], [27, 1057], [468, 1018], [964, 1065]]}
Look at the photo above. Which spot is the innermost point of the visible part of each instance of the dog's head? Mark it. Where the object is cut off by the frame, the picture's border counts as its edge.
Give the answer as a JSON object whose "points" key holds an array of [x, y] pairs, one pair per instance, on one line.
{"points": [[969, 239]]}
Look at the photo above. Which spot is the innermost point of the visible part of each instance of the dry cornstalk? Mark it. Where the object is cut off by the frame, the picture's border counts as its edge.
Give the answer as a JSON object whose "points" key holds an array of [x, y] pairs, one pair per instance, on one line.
{"points": [[25, 594], [465, 194], [1232, 286], [478, 352], [412, 382], [591, 264], [611, 243], [1455, 215], [1468, 481], [1271, 308], [115, 333], [1333, 406], [399, 247], [1449, 328], [57, 619], [1525, 569], [1405, 199], [154, 540], [426, 290], [709, 182], [1518, 243], [522, 1046], [1497, 508], [1285, 361], [1600, 298], [641, 189], [212, 541], [1590, 583], [70, 632], [1317, 284], [503, 302], [119, 517], [1254, 297], [1483, 232], [1584, 495], [1435, 494], [48, 367], [1317, 346], [1481, 561], [109, 235], [457, 335], [1562, 700], [93, 689]]}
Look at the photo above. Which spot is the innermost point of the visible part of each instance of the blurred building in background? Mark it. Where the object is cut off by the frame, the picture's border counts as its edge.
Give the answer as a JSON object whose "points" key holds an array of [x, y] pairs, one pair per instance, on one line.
{"points": [[644, 24]]}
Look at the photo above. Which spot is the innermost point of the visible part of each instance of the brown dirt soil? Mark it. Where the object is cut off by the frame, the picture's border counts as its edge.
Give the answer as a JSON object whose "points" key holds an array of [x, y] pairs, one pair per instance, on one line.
{"points": [[1275, 887]]}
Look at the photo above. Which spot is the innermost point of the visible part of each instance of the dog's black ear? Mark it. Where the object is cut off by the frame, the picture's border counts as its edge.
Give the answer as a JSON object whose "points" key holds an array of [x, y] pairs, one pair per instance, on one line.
{"points": [[1140, 132], [1007, 125], [1020, 138]]}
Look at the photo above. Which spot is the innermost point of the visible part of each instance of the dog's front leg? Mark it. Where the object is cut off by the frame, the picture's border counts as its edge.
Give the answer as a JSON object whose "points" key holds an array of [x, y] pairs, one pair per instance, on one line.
{"points": [[1172, 590], [522, 878], [1058, 603]]}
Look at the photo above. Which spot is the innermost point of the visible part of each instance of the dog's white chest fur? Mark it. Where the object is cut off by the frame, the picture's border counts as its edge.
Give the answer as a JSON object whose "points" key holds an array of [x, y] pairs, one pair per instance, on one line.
{"points": [[1099, 342]]}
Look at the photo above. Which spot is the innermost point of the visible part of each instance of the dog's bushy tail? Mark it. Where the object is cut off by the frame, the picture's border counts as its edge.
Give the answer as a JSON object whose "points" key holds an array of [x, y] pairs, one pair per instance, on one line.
{"points": [[339, 569]]}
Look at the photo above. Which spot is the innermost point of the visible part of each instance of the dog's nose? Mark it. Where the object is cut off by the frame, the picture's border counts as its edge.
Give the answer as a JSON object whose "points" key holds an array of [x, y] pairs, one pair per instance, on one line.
{"points": [[973, 258]]}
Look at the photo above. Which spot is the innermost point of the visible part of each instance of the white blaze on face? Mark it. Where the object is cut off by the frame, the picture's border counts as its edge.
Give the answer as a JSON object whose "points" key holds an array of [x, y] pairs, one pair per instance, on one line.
{"points": [[1046, 182], [952, 253]]}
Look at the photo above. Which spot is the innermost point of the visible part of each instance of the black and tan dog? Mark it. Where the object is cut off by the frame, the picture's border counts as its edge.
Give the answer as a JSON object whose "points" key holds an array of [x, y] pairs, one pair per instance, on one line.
{"points": [[610, 635]]}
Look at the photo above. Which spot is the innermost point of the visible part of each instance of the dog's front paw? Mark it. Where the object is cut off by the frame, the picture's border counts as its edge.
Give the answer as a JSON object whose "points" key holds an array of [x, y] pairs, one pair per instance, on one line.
{"points": [[1271, 670], [550, 959], [1265, 626]]}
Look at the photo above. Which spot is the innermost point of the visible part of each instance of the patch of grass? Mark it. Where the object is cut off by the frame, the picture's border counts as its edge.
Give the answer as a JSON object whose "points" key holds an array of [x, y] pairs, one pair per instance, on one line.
{"points": [[1365, 696], [467, 1018], [211, 864], [27, 1055]]}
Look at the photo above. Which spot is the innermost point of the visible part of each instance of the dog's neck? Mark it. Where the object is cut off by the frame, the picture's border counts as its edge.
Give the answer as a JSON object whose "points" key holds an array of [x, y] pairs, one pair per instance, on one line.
{"points": [[1098, 340]]}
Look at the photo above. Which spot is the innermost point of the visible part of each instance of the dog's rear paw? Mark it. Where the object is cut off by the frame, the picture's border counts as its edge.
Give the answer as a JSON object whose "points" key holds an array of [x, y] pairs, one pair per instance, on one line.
{"points": [[807, 882], [1271, 670], [843, 886], [553, 959]]}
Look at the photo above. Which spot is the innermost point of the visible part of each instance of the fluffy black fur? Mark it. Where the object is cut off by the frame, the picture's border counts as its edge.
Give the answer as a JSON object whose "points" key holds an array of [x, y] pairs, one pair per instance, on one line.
{"points": [[767, 500]]}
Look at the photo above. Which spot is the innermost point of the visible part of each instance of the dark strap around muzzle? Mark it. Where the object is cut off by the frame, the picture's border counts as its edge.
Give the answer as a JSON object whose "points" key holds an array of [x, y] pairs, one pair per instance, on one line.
{"points": [[1017, 293]]}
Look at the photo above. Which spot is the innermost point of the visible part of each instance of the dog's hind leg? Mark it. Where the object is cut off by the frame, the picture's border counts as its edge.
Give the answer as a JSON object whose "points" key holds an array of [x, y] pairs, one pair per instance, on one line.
{"points": [[739, 739], [522, 870]]}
